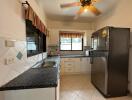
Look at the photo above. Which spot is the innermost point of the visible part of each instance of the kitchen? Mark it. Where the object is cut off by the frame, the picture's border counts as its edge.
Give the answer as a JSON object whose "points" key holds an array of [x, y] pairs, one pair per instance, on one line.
{"points": [[14, 61]]}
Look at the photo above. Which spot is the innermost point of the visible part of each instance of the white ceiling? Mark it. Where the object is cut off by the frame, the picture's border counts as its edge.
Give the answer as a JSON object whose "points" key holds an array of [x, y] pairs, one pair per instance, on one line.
{"points": [[53, 11]]}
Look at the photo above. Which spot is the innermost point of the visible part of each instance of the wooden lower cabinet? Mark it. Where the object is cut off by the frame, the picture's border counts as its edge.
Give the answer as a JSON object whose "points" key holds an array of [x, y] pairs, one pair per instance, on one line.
{"points": [[75, 65]]}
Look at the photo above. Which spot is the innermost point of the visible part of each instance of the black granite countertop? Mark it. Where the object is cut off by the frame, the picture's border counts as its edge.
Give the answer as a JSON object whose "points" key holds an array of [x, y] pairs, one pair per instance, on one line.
{"points": [[34, 78], [74, 56]]}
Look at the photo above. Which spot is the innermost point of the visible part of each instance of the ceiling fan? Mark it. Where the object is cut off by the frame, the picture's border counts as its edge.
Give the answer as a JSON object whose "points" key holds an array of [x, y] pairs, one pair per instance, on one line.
{"points": [[85, 5]]}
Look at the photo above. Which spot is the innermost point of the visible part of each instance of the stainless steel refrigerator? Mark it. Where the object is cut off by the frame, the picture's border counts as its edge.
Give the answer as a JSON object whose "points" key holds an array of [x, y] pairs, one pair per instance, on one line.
{"points": [[109, 59]]}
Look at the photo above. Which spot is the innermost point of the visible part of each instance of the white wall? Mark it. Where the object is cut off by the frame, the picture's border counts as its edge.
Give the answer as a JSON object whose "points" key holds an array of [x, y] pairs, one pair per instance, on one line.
{"points": [[70, 25], [121, 16], [12, 27], [12, 24], [54, 36], [56, 26]]}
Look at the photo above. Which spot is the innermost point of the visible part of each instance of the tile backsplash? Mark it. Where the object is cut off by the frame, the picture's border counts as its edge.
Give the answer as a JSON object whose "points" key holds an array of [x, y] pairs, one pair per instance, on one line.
{"points": [[14, 61], [75, 52], [53, 50]]}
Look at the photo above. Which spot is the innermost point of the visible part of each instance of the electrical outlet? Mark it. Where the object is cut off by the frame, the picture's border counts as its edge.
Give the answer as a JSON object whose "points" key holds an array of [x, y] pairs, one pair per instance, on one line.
{"points": [[9, 60], [10, 43]]}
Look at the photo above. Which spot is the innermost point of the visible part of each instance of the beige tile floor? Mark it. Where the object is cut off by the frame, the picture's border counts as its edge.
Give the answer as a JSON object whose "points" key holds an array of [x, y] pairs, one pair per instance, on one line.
{"points": [[78, 87]]}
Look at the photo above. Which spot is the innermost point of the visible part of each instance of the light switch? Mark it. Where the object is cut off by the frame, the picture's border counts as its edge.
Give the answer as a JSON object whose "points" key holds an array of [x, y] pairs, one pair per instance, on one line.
{"points": [[9, 43], [9, 60]]}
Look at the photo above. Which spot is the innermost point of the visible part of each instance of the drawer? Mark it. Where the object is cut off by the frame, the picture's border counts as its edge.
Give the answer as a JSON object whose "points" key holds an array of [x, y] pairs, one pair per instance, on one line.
{"points": [[68, 59], [71, 59], [68, 64], [77, 59], [68, 69]]}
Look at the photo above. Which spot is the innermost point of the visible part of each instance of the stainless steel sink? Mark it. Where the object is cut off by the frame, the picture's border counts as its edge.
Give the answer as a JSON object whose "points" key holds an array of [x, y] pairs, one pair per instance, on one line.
{"points": [[49, 64]]}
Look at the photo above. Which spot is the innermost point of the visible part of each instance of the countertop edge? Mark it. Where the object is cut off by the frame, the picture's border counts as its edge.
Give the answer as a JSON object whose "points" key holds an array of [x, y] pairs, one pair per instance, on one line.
{"points": [[28, 87]]}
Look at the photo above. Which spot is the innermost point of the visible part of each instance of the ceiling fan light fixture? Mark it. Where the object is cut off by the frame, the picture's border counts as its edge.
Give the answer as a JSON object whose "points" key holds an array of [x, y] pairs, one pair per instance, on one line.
{"points": [[85, 10], [85, 2], [85, 5]]}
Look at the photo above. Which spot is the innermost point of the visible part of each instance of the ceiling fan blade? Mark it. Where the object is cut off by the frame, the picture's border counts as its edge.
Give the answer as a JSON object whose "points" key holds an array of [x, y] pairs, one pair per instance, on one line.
{"points": [[70, 4], [81, 10], [94, 10]]}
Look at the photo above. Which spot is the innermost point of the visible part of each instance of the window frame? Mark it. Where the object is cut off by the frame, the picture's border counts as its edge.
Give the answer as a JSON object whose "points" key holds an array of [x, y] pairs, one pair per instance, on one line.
{"points": [[71, 45]]}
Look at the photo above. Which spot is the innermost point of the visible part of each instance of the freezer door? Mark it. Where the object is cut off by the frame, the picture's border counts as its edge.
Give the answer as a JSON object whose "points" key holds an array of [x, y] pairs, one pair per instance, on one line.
{"points": [[103, 41], [99, 74]]}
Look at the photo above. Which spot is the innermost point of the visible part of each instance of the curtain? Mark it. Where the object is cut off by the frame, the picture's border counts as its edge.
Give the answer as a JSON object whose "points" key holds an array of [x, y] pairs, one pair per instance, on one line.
{"points": [[32, 16], [71, 34]]}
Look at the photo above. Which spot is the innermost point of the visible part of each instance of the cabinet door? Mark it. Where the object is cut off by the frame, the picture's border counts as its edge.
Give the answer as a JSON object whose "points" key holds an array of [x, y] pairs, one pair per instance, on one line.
{"points": [[77, 65], [85, 65], [62, 66], [31, 94]]}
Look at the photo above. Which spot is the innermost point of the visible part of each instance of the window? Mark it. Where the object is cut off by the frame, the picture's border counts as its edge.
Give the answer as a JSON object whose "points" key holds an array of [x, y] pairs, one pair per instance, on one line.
{"points": [[36, 40], [71, 42], [65, 43]]}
